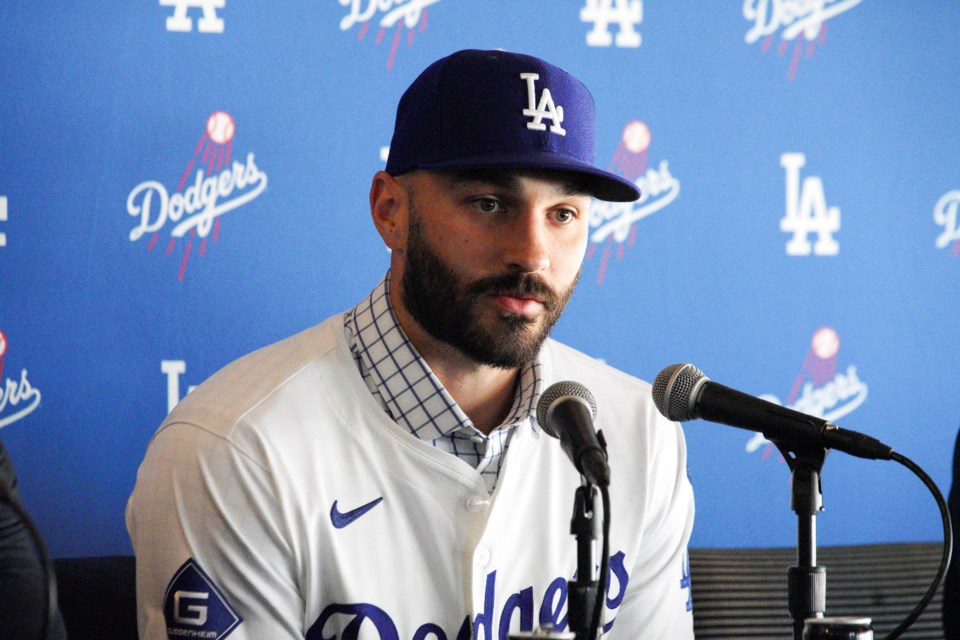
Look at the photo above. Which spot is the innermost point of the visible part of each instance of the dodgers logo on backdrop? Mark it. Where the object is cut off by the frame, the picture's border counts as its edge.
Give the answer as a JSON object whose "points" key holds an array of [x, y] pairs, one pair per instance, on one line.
{"points": [[626, 14], [945, 215], [614, 223], [821, 388], [192, 213], [792, 18], [807, 211], [209, 22], [18, 398], [405, 17]]}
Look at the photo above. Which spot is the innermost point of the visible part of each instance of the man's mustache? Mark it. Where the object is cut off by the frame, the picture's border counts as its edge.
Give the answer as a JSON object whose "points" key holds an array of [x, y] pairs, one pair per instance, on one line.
{"points": [[516, 284]]}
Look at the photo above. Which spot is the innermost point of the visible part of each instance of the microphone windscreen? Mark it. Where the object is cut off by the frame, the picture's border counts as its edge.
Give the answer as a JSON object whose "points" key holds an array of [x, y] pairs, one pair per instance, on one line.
{"points": [[673, 390], [559, 390]]}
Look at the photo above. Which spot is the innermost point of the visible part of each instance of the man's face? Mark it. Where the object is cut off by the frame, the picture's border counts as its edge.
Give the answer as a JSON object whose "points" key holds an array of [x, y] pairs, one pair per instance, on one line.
{"points": [[492, 259]]}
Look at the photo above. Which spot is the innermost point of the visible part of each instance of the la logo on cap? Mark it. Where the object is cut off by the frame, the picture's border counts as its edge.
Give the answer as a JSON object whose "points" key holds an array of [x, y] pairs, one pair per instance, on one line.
{"points": [[544, 109]]}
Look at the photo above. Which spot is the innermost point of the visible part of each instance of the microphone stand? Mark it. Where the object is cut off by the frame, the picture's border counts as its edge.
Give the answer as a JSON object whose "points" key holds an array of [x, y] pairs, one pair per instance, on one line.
{"points": [[806, 582], [582, 592]]}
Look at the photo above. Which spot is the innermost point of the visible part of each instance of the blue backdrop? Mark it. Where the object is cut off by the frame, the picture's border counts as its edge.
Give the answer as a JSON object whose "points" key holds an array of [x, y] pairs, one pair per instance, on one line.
{"points": [[183, 181]]}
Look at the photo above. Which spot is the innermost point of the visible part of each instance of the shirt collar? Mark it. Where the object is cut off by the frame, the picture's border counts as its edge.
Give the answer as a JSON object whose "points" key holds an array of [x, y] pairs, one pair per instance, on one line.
{"points": [[412, 393]]}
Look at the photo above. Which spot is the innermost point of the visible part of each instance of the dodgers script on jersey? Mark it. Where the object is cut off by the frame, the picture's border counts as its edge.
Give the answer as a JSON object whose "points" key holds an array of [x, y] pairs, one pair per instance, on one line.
{"points": [[299, 509]]}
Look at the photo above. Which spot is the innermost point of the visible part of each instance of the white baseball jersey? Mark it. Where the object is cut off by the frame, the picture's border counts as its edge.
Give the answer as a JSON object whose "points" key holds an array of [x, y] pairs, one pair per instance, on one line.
{"points": [[278, 501]]}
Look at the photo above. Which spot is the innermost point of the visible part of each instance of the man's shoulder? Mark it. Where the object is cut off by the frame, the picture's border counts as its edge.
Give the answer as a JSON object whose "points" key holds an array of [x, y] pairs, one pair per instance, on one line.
{"points": [[624, 402], [565, 361], [237, 389]]}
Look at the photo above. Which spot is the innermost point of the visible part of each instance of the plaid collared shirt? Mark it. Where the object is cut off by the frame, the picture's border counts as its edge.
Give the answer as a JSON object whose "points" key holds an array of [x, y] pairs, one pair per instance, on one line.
{"points": [[402, 382]]}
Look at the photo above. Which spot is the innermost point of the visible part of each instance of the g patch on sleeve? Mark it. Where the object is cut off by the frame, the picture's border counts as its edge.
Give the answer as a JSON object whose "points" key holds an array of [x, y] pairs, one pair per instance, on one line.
{"points": [[194, 607]]}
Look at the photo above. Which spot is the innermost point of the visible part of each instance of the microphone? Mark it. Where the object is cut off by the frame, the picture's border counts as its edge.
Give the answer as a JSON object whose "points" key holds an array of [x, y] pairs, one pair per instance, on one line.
{"points": [[681, 392], [566, 411]]}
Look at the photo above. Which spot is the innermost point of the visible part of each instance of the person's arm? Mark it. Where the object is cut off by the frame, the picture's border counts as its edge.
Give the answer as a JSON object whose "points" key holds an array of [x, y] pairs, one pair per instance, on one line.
{"points": [[211, 542], [23, 581]]}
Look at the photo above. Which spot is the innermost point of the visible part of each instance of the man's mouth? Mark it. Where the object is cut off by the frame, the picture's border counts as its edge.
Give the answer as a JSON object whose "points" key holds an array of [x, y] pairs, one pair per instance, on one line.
{"points": [[522, 304]]}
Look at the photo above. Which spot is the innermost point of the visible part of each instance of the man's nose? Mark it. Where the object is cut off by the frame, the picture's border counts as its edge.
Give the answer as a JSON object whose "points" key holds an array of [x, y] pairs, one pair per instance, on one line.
{"points": [[526, 247]]}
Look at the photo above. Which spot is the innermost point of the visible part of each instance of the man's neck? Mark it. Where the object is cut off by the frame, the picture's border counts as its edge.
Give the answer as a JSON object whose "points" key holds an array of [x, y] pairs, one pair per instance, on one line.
{"points": [[484, 393]]}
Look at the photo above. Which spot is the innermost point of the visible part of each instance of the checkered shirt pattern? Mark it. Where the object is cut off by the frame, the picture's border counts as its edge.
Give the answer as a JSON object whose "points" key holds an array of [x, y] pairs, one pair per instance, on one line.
{"points": [[402, 382]]}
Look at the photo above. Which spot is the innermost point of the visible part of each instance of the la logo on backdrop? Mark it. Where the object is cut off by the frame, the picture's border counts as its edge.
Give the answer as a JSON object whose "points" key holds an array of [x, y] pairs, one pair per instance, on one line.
{"points": [[626, 14], [802, 24], [807, 212], [209, 22], [192, 212], [821, 388], [405, 17], [613, 225], [18, 398]]}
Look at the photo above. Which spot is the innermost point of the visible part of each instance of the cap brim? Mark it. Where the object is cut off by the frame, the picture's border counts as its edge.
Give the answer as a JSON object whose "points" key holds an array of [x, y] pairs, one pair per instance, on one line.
{"points": [[601, 184]]}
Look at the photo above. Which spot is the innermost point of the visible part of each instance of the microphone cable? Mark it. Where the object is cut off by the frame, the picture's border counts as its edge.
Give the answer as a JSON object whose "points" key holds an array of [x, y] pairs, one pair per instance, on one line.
{"points": [[947, 544], [603, 578]]}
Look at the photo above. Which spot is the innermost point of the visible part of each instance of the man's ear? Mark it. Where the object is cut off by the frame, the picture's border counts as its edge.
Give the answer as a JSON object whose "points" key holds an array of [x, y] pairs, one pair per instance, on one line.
{"points": [[389, 208]]}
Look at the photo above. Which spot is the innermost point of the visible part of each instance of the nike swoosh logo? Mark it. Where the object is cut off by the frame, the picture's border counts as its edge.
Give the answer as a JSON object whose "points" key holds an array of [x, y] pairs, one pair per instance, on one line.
{"points": [[340, 520]]}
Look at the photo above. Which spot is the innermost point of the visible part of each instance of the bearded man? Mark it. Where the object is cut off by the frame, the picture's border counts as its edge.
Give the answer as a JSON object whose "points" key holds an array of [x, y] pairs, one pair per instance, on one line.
{"points": [[383, 474]]}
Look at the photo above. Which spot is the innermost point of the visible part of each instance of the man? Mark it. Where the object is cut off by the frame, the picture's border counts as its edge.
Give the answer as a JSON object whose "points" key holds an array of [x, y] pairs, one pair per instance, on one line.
{"points": [[383, 475]]}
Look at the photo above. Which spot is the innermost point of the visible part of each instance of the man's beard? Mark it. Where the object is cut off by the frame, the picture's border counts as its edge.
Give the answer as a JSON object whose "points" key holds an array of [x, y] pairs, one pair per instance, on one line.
{"points": [[449, 309]]}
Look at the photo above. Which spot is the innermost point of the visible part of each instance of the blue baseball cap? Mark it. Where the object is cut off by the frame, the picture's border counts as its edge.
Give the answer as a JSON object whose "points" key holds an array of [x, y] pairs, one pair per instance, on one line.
{"points": [[495, 109]]}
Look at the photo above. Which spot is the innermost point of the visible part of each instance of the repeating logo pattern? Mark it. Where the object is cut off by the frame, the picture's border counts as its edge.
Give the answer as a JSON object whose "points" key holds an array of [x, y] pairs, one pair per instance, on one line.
{"points": [[821, 388], [210, 22], [792, 20], [945, 215], [18, 398], [807, 212], [626, 14], [613, 224], [405, 17], [3, 218], [195, 211], [174, 369]]}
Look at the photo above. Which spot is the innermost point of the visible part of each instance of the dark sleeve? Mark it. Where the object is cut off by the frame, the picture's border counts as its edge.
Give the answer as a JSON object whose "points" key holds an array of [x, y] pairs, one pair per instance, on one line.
{"points": [[951, 588], [8, 477], [22, 579]]}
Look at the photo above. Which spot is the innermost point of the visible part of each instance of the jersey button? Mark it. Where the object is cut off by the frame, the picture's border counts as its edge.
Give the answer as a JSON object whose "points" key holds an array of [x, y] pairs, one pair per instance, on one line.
{"points": [[477, 504], [482, 556]]}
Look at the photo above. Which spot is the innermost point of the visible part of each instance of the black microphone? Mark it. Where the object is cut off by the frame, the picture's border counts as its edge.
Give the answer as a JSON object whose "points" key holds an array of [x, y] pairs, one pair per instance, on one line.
{"points": [[681, 392], [566, 411]]}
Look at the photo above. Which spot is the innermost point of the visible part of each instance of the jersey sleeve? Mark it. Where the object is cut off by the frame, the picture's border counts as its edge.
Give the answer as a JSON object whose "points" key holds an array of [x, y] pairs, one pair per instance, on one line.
{"points": [[212, 556]]}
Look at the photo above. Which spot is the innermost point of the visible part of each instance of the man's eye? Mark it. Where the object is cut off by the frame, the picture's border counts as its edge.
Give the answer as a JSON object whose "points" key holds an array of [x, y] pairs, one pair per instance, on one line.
{"points": [[564, 216], [488, 205]]}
